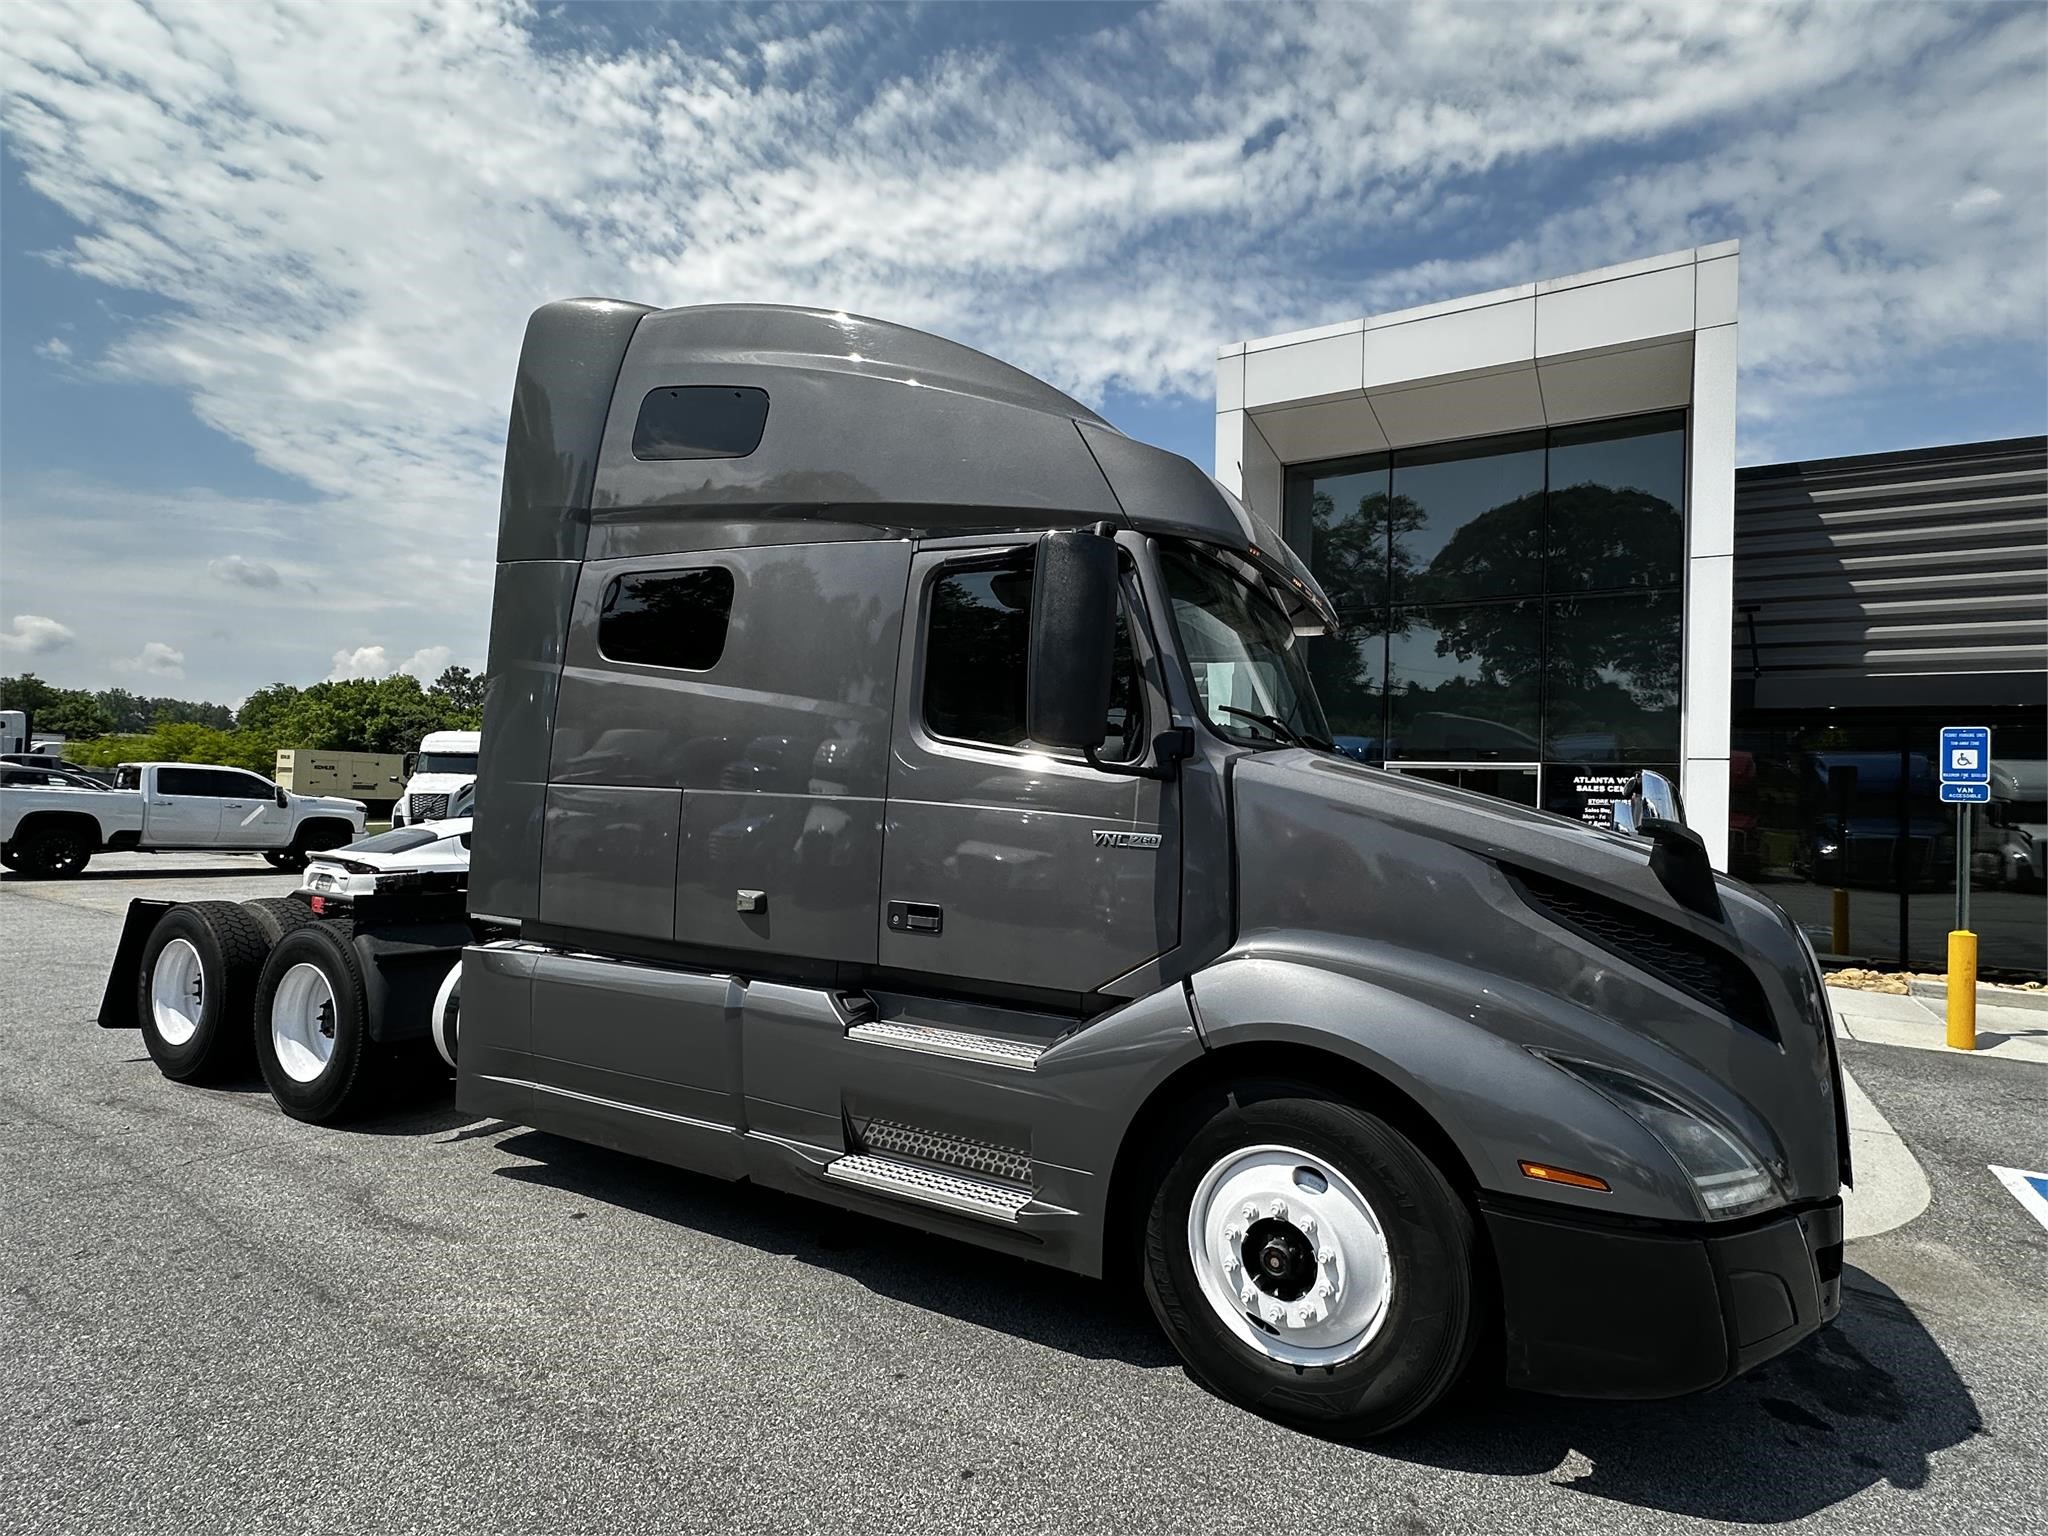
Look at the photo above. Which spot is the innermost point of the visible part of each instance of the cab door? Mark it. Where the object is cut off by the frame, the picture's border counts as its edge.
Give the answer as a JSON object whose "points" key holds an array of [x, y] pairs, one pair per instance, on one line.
{"points": [[250, 816], [1008, 868], [183, 809]]}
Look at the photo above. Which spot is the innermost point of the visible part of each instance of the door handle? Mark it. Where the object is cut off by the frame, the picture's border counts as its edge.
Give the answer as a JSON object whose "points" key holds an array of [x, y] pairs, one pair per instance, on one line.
{"points": [[160, 802], [916, 917]]}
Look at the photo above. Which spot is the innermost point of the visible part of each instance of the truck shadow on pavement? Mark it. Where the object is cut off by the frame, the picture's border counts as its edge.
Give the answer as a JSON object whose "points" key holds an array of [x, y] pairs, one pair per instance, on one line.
{"points": [[167, 872], [1869, 1399]]}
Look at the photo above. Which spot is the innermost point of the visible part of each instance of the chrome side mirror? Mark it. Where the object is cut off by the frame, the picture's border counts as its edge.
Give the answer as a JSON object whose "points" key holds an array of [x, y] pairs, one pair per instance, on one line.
{"points": [[1625, 817], [1656, 796]]}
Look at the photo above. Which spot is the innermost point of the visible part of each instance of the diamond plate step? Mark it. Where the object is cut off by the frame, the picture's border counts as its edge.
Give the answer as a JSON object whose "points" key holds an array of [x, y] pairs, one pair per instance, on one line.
{"points": [[959, 1043], [930, 1186]]}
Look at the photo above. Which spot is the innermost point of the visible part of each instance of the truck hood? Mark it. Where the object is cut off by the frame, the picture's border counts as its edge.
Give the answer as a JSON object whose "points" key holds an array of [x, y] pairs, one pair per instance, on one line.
{"points": [[439, 783], [1548, 933]]}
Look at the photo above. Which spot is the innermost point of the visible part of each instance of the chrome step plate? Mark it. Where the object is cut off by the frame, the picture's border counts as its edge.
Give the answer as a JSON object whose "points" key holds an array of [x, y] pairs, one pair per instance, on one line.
{"points": [[930, 1186], [958, 1043]]}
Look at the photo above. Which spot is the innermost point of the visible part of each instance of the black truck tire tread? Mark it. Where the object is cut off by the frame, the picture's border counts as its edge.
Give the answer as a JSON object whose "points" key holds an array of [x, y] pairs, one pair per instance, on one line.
{"points": [[278, 916], [352, 1085], [231, 945]]}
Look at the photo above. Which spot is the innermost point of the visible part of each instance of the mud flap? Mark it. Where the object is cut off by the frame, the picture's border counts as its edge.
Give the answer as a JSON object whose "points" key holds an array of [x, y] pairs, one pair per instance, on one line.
{"points": [[117, 1002]]}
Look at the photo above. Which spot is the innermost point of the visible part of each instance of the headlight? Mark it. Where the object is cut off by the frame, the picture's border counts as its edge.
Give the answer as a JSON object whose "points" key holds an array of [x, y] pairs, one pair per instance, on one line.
{"points": [[1728, 1179]]}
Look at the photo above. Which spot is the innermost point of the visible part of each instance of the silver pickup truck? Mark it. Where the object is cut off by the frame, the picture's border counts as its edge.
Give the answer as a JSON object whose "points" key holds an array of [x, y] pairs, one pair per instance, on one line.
{"points": [[54, 828]]}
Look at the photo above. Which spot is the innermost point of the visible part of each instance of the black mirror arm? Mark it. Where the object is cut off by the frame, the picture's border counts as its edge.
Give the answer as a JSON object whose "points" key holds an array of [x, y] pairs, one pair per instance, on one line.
{"points": [[1678, 858], [1168, 749]]}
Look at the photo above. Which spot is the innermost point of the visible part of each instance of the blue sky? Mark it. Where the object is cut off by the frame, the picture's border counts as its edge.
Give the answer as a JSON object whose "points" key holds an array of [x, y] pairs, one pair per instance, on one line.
{"points": [[263, 268]]}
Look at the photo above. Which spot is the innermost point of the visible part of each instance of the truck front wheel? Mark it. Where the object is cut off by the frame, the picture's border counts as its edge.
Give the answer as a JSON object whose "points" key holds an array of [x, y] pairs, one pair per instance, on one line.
{"points": [[312, 1025], [198, 972], [1310, 1263]]}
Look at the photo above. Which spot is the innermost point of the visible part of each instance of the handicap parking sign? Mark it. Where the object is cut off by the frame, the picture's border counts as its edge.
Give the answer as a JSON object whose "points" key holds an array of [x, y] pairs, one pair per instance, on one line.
{"points": [[1966, 754]]}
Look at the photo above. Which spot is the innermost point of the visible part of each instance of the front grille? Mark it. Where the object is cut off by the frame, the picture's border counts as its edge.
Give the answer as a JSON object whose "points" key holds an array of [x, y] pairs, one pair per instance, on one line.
{"points": [[922, 1144], [427, 808], [1695, 966]]}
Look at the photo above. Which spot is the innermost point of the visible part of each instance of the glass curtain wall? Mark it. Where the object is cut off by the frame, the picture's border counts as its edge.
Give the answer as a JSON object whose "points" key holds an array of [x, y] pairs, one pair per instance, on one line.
{"points": [[1511, 607]]}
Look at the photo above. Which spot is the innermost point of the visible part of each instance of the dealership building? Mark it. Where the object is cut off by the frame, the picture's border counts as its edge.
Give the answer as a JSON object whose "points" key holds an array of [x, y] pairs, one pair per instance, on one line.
{"points": [[1550, 574]]}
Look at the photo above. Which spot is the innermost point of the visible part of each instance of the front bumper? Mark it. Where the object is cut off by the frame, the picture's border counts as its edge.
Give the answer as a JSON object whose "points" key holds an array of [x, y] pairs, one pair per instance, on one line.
{"points": [[1644, 1310]]}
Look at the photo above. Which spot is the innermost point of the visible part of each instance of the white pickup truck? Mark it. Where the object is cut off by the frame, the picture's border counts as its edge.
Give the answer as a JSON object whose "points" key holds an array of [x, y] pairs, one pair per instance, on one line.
{"points": [[52, 823]]}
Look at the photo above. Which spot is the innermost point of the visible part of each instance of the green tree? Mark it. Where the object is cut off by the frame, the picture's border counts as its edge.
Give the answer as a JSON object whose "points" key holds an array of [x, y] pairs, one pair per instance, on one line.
{"points": [[461, 692], [26, 692], [74, 715], [129, 713]]}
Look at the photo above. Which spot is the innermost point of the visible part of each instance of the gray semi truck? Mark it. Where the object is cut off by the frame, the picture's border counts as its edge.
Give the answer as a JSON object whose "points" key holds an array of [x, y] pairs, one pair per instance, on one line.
{"points": [[901, 788]]}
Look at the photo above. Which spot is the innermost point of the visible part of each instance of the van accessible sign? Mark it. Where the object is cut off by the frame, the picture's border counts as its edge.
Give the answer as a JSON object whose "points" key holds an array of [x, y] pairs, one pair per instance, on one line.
{"points": [[1965, 764]]}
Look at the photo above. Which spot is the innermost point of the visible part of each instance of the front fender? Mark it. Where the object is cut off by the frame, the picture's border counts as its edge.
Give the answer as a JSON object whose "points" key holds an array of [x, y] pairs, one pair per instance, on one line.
{"points": [[1497, 1103]]}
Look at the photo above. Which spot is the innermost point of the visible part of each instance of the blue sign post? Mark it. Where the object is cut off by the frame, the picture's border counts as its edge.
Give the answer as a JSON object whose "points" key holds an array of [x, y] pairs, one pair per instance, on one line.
{"points": [[1965, 781]]}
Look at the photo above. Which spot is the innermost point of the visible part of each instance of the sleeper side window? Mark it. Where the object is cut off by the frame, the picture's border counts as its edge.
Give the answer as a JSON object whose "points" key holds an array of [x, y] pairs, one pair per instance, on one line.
{"points": [[667, 618], [977, 650], [700, 421]]}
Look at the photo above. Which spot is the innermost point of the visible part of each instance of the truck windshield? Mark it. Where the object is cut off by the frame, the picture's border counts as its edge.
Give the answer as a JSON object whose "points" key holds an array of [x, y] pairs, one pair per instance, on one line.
{"points": [[446, 762], [1248, 671]]}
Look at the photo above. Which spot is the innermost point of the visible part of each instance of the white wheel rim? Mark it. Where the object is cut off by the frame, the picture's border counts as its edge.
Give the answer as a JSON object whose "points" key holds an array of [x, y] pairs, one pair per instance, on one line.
{"points": [[448, 1013], [302, 1023], [1328, 1296], [177, 992]]}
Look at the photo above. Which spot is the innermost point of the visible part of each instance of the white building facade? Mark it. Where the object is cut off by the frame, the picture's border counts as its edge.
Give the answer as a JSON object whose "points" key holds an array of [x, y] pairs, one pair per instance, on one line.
{"points": [[1523, 505]]}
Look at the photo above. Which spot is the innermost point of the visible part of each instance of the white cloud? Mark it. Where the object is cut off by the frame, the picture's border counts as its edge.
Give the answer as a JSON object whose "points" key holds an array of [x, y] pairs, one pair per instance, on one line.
{"points": [[364, 661], [427, 663], [33, 635], [374, 661], [342, 263], [240, 571], [155, 659], [56, 349]]}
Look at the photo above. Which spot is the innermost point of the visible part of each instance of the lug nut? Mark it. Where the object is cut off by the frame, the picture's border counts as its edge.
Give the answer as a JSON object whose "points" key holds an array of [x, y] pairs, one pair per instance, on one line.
{"points": [[1251, 1213], [1307, 1223], [1233, 1234], [1277, 1210], [1326, 1254]]}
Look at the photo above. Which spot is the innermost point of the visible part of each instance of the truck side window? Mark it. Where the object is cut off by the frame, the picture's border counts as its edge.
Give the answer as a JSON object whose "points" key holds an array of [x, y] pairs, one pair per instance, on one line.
{"points": [[700, 421], [184, 781], [667, 618], [976, 652]]}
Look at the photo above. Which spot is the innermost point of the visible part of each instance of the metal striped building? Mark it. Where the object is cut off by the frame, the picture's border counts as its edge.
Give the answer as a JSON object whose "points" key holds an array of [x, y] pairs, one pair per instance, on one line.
{"points": [[1894, 579], [1878, 598]]}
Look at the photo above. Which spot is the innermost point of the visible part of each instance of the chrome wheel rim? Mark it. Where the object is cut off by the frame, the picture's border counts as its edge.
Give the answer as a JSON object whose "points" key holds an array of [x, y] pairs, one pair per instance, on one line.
{"points": [[1290, 1256], [177, 992], [302, 1023]]}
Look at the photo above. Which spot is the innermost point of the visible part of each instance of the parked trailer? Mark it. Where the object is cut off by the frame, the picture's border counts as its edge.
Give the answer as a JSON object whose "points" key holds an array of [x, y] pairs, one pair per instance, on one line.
{"points": [[909, 792], [375, 778]]}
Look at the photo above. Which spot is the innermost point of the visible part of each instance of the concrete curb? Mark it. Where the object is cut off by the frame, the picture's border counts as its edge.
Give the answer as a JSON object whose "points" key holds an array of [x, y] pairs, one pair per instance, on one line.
{"points": [[1891, 1187], [1988, 996], [1919, 1023]]}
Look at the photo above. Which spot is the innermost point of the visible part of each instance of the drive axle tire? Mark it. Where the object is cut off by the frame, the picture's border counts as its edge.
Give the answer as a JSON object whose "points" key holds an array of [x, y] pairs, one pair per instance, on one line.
{"points": [[279, 915], [312, 1026], [1310, 1263], [195, 985]]}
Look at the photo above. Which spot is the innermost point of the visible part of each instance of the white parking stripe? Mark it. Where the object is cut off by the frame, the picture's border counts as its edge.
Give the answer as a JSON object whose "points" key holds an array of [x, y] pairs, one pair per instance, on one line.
{"points": [[2030, 1189]]}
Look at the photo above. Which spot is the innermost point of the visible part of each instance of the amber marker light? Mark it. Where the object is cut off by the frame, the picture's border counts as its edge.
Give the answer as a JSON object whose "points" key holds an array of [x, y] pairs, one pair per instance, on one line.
{"points": [[1543, 1173]]}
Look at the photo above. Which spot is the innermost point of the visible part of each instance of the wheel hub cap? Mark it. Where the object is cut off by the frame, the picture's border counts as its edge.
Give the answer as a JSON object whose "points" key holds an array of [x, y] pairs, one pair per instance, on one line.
{"points": [[177, 992], [1290, 1255], [302, 1017]]}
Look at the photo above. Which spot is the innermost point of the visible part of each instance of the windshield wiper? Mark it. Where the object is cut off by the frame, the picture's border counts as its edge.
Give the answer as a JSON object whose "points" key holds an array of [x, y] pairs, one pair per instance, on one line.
{"points": [[1281, 729]]}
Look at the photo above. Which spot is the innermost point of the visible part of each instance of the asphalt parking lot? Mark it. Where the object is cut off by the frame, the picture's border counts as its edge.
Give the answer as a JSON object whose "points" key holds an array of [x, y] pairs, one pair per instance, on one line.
{"points": [[219, 1319]]}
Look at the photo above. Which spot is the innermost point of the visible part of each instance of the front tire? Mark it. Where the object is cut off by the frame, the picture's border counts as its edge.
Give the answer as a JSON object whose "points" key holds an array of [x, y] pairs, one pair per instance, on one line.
{"points": [[312, 1025], [1310, 1262], [198, 975]]}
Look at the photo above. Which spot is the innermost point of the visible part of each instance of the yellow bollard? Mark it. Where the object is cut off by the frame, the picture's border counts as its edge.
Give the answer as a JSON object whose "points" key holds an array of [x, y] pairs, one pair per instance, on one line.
{"points": [[1962, 990], [1841, 921]]}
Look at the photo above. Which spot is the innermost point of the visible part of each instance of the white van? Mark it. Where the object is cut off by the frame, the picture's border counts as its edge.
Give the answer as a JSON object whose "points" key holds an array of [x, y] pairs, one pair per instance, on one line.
{"points": [[440, 778]]}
